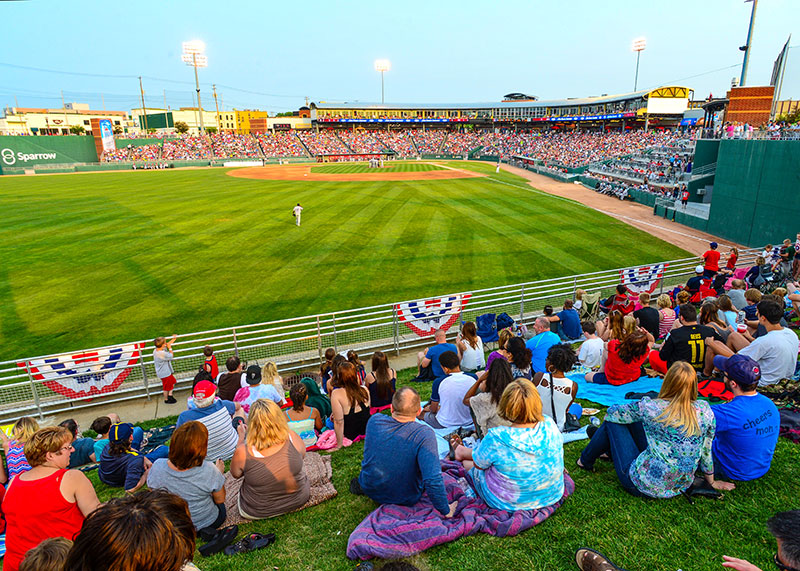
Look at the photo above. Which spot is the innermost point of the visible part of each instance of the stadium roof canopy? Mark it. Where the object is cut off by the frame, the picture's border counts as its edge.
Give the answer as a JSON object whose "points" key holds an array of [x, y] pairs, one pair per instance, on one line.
{"points": [[496, 104]]}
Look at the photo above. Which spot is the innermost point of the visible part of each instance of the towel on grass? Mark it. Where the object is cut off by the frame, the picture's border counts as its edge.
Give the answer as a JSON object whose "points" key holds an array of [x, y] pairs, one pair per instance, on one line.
{"points": [[393, 531], [317, 469], [606, 395]]}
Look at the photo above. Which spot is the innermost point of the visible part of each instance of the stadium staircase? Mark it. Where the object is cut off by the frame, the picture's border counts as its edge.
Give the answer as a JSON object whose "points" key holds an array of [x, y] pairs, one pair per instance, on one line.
{"points": [[382, 144], [302, 144], [346, 146], [440, 148]]}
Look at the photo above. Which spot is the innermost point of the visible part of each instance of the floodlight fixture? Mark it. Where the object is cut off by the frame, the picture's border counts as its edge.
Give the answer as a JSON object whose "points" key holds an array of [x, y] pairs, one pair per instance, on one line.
{"points": [[194, 55], [382, 65], [638, 45]]}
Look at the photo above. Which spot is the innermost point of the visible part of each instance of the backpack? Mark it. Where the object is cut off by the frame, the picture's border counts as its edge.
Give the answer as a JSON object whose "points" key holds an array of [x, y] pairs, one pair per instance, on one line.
{"points": [[714, 390]]}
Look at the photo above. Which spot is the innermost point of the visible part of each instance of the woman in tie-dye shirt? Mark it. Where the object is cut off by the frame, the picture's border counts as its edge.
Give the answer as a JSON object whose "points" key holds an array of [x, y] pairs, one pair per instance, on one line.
{"points": [[518, 467]]}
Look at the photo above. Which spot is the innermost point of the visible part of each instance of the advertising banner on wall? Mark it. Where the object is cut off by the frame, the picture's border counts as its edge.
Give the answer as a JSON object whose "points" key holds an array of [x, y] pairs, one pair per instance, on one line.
{"points": [[107, 134]]}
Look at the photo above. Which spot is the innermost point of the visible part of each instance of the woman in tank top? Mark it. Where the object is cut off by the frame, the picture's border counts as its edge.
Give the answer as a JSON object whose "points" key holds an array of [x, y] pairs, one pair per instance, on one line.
{"points": [[520, 358], [381, 382], [470, 348], [666, 315], [555, 389], [271, 463], [350, 405], [303, 420], [48, 500]]}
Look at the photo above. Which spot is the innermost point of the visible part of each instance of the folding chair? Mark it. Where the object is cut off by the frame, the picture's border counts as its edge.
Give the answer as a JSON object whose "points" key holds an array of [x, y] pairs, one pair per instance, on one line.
{"points": [[590, 306], [487, 327]]}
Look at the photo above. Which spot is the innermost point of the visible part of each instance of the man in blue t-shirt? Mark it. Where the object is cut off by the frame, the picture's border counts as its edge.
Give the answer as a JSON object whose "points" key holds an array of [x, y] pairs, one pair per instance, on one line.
{"points": [[431, 355], [747, 426], [401, 459], [569, 322], [540, 343]]}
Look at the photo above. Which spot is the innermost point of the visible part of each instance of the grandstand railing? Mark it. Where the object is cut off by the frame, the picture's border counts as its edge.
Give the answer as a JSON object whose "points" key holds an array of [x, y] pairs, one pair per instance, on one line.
{"points": [[298, 343]]}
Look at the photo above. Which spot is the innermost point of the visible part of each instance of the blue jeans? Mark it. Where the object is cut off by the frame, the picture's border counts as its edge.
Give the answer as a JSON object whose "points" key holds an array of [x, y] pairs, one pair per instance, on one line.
{"points": [[624, 442], [160, 452], [138, 436]]}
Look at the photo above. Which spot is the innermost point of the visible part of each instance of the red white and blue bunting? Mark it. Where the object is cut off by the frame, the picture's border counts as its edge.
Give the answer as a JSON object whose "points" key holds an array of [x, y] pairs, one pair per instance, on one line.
{"points": [[643, 279], [88, 374], [425, 316]]}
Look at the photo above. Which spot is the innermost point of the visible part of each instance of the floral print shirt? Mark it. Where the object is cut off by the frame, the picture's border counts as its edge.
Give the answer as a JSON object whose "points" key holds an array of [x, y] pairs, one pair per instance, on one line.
{"points": [[666, 468]]}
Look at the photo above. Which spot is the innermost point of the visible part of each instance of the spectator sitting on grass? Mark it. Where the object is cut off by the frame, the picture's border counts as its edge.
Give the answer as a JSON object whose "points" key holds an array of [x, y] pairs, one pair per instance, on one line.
{"points": [[223, 419], [684, 343], [447, 408], [647, 316], [624, 359], [736, 293], [747, 426], [666, 315], [569, 322], [49, 554], [555, 389], [256, 389], [349, 404], [401, 459], [785, 527], [102, 425], [483, 397], [521, 358], [14, 447], [230, 382], [775, 352], [591, 352], [694, 284], [431, 355], [120, 465], [540, 343], [658, 444], [82, 448], [612, 326], [303, 419]]}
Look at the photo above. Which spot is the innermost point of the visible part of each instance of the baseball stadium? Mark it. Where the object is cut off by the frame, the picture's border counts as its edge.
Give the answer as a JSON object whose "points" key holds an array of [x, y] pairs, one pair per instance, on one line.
{"points": [[564, 330]]}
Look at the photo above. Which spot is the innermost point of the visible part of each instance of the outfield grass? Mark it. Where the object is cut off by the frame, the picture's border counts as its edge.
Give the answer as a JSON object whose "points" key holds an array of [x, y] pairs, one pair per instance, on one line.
{"points": [[638, 534], [364, 167], [102, 258]]}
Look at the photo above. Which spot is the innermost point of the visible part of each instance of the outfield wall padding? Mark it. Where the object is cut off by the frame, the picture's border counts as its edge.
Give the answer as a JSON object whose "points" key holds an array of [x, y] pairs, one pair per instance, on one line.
{"points": [[24, 152], [756, 191]]}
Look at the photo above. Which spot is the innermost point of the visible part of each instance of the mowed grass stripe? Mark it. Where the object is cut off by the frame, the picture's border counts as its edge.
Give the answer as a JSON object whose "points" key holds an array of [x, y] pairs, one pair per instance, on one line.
{"points": [[95, 259], [364, 167]]}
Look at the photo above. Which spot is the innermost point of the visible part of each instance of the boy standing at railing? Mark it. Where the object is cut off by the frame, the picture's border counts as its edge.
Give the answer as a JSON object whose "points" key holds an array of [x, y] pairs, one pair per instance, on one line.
{"points": [[162, 359]]}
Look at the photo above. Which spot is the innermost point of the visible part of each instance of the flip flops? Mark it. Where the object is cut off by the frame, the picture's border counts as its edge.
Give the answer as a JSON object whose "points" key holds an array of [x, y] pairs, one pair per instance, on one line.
{"points": [[453, 440], [218, 541], [591, 560], [251, 543]]}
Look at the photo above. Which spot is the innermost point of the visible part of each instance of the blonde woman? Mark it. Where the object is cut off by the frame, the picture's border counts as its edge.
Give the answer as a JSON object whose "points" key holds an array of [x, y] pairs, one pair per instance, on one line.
{"points": [[657, 445], [666, 315], [271, 463], [518, 467], [270, 376], [14, 448]]}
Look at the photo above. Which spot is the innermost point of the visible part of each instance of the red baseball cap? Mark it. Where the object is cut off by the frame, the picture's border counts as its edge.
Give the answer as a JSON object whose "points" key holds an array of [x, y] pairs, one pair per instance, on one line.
{"points": [[205, 389]]}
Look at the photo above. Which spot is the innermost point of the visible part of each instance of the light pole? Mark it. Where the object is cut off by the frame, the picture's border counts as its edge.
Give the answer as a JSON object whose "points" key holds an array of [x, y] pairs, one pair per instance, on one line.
{"points": [[638, 46], [382, 65], [746, 48], [193, 55]]}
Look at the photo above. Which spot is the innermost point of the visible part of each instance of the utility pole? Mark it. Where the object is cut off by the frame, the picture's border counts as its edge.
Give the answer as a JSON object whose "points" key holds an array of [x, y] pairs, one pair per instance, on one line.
{"points": [[103, 99], [144, 110], [216, 104], [197, 84]]}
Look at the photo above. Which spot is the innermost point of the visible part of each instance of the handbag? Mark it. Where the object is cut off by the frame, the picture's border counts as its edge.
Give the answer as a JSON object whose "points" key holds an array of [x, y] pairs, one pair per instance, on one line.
{"points": [[571, 423]]}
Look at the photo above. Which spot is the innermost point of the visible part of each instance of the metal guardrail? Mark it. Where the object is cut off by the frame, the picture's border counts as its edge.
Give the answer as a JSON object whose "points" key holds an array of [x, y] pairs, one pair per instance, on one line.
{"points": [[294, 344]]}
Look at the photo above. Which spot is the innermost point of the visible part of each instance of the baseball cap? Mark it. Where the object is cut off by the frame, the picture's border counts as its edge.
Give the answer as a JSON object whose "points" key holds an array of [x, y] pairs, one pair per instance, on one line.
{"points": [[253, 375], [120, 432], [699, 270], [740, 368], [204, 389], [713, 244]]}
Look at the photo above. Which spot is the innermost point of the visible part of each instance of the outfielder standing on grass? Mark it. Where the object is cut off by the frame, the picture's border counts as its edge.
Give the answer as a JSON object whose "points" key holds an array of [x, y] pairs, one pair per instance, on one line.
{"points": [[296, 211], [162, 359]]}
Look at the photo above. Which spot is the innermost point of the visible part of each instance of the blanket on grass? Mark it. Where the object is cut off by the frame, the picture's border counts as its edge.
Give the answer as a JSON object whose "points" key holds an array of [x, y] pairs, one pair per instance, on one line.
{"points": [[393, 531], [318, 471], [607, 395]]}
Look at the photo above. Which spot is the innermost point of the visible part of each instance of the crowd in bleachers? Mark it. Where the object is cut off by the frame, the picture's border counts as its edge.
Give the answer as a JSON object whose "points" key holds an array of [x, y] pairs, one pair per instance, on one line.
{"points": [[323, 142], [281, 144], [233, 145], [429, 141], [361, 142], [461, 143], [187, 148], [140, 153], [400, 142]]}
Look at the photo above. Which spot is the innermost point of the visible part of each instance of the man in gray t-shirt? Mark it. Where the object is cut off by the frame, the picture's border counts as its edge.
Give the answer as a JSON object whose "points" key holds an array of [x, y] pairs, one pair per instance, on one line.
{"points": [[201, 486]]}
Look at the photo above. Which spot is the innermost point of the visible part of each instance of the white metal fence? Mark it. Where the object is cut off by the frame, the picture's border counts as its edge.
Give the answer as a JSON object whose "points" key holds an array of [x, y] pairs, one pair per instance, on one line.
{"points": [[295, 344]]}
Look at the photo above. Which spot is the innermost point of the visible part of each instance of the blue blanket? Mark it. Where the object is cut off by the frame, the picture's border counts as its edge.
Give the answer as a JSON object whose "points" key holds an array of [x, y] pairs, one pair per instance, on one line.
{"points": [[607, 395]]}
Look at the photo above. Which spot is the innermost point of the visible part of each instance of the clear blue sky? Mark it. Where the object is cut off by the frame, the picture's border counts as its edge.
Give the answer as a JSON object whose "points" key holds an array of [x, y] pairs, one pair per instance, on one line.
{"points": [[269, 56]]}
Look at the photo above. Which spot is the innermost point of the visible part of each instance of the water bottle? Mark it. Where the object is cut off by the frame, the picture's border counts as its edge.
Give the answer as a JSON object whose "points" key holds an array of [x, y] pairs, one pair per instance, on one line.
{"points": [[468, 491], [595, 421], [740, 317]]}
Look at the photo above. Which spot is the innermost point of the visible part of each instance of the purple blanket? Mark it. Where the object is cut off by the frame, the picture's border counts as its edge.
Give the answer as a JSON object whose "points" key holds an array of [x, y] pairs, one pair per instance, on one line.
{"points": [[392, 531]]}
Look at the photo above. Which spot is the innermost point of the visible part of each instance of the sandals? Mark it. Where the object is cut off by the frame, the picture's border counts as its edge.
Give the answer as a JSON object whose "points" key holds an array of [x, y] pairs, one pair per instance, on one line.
{"points": [[453, 440], [251, 543], [217, 539], [591, 560]]}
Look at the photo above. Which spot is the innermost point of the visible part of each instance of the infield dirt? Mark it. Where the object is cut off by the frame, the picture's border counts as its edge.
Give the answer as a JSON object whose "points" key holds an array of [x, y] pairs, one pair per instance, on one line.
{"points": [[303, 172]]}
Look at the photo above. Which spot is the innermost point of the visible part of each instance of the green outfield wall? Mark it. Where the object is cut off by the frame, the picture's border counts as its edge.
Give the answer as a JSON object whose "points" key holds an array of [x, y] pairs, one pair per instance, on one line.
{"points": [[756, 196], [22, 152]]}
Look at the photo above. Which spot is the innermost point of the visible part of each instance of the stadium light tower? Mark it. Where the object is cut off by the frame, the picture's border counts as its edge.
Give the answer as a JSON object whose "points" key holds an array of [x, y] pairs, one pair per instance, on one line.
{"points": [[746, 47], [382, 65], [193, 55], [638, 46]]}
